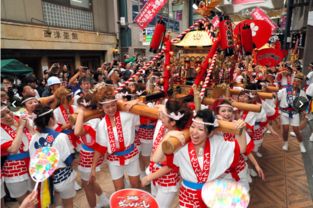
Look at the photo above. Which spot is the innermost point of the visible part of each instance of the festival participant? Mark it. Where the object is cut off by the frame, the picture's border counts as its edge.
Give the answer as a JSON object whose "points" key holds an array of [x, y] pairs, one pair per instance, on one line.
{"points": [[85, 86], [165, 181], [289, 115], [87, 133], [205, 157], [30, 103], [62, 113], [309, 94], [64, 176], [256, 123], [225, 111], [115, 136], [15, 139], [309, 76]]}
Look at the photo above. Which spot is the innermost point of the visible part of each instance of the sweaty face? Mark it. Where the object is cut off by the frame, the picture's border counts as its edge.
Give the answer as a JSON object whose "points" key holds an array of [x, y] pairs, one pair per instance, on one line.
{"points": [[7, 117], [198, 132], [226, 113], [85, 86], [243, 98], [31, 105], [110, 108]]}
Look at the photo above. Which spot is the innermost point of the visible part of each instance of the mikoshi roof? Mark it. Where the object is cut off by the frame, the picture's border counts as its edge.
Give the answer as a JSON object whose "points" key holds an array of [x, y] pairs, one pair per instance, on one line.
{"points": [[199, 38]]}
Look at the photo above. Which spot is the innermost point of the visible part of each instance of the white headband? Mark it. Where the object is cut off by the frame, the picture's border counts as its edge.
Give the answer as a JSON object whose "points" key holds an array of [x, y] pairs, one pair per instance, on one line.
{"points": [[27, 99], [111, 72], [173, 115], [4, 108], [215, 123], [225, 105], [108, 101], [45, 113]]}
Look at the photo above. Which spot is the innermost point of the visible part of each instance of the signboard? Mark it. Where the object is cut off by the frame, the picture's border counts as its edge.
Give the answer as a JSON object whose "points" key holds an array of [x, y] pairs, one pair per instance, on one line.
{"points": [[130, 198], [258, 14], [147, 34], [148, 12]]}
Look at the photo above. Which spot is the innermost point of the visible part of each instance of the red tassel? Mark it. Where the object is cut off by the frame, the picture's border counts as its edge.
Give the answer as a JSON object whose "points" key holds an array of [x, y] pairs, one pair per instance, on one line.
{"points": [[157, 36]]}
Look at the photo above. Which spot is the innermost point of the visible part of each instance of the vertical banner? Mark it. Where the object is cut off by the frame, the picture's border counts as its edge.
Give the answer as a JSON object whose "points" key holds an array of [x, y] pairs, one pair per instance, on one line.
{"points": [[258, 14], [148, 12]]}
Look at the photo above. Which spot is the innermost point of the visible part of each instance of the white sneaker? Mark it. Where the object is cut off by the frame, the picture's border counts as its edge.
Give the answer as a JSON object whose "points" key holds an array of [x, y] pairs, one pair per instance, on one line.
{"points": [[258, 154], [268, 132], [103, 201], [252, 172], [302, 148], [293, 134], [285, 146], [77, 187], [311, 138]]}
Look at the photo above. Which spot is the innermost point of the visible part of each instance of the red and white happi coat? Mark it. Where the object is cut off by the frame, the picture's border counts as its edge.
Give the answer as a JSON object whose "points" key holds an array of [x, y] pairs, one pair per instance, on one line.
{"points": [[61, 116], [217, 158], [145, 131], [88, 144], [14, 170], [255, 123], [123, 134], [239, 172], [168, 182]]}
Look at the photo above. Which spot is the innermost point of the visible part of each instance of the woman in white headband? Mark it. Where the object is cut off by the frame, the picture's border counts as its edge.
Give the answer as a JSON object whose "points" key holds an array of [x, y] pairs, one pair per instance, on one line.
{"points": [[225, 111], [14, 155], [30, 103], [62, 114], [204, 158], [174, 116], [64, 176], [115, 136], [87, 133]]}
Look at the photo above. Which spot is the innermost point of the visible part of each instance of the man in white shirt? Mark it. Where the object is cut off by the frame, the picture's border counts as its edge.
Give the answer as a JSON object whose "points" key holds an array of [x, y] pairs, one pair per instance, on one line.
{"points": [[309, 76]]}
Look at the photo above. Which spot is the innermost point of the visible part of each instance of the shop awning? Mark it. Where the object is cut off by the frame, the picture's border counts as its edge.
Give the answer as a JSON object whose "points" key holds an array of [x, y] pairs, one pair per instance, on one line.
{"points": [[14, 67]]}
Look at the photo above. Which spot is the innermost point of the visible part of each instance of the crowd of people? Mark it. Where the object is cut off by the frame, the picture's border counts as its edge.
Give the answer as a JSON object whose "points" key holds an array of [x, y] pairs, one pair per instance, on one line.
{"points": [[37, 113]]}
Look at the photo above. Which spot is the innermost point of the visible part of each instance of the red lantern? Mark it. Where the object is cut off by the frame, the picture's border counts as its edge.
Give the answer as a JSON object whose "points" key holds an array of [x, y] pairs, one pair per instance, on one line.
{"points": [[226, 34], [157, 37], [246, 39]]}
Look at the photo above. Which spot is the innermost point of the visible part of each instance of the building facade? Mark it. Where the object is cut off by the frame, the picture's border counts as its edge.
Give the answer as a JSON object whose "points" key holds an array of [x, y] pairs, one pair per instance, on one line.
{"points": [[174, 13], [70, 32]]}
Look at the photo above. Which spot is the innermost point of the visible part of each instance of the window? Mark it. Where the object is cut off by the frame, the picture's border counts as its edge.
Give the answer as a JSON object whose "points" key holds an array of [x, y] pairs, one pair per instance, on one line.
{"points": [[135, 11], [63, 16]]}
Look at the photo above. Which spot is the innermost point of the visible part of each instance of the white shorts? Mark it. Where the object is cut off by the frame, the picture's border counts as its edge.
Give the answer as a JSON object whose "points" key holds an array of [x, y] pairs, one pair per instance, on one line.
{"points": [[18, 189], [164, 198], [2, 189], [85, 175], [117, 171], [146, 149], [66, 188], [294, 121], [257, 145]]}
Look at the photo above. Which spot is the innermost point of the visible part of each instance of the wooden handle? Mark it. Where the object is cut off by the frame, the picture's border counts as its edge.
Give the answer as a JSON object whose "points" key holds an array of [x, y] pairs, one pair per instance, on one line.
{"points": [[263, 95], [272, 88], [239, 105], [142, 110], [88, 114], [171, 144]]}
